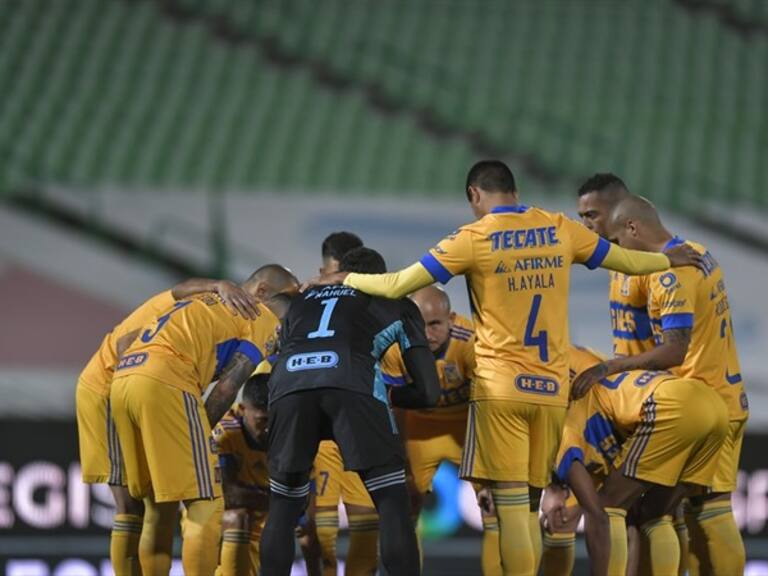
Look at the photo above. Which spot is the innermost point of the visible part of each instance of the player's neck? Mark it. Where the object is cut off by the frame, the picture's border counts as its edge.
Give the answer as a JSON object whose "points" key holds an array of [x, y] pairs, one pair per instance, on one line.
{"points": [[658, 240], [499, 200]]}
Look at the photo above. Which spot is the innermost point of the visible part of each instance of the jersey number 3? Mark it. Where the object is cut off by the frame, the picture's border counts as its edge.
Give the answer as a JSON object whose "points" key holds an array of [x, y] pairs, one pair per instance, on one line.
{"points": [[322, 330]]}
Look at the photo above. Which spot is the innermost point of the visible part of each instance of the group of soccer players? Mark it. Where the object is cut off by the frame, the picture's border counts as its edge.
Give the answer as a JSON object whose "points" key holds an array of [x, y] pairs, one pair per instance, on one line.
{"points": [[352, 392]]}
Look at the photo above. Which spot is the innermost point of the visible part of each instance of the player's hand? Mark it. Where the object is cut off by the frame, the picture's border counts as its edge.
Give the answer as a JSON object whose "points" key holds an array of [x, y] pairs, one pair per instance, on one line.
{"points": [[324, 280], [237, 300], [584, 381], [684, 255], [485, 501]]}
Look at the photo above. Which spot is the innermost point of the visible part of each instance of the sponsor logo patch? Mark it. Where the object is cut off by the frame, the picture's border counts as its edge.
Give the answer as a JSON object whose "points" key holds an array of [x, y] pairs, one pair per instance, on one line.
{"points": [[132, 360], [312, 361], [537, 384]]}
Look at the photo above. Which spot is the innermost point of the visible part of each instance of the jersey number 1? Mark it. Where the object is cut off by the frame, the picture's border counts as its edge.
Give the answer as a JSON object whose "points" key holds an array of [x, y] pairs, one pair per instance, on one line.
{"points": [[322, 330], [539, 339]]}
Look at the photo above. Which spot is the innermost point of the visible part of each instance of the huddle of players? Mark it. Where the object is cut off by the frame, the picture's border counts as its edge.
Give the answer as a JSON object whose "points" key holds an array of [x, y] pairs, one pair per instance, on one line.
{"points": [[515, 258]]}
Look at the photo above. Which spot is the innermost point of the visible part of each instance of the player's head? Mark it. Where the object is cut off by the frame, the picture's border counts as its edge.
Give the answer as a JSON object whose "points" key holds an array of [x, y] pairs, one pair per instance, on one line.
{"points": [[271, 279], [363, 260], [335, 246], [490, 183], [635, 224], [435, 308], [255, 406], [598, 196], [278, 303]]}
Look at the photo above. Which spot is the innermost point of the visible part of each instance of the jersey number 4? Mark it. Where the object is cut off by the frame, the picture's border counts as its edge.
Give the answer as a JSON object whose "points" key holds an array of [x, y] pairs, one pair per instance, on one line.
{"points": [[322, 330], [540, 338]]}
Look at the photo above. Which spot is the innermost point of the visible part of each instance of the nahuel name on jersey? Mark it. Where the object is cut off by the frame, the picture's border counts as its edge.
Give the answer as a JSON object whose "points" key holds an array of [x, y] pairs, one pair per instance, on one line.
{"points": [[331, 292], [523, 238]]}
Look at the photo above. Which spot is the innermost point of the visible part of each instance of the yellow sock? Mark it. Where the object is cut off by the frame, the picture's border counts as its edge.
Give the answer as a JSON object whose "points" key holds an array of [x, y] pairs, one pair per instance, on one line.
{"points": [[722, 551], [517, 552], [201, 535], [156, 543], [235, 553], [663, 546], [682, 543], [124, 544], [363, 555], [559, 554], [327, 525], [617, 565], [535, 528], [491, 555], [253, 548]]}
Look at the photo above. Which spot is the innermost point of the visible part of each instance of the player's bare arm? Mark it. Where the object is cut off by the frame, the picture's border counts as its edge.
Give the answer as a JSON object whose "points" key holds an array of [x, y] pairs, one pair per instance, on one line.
{"points": [[238, 496], [223, 394], [596, 523], [232, 295], [667, 355]]}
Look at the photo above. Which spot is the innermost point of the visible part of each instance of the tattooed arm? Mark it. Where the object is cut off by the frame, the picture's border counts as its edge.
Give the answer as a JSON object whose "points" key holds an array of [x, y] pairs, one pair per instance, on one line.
{"points": [[223, 394], [666, 355]]}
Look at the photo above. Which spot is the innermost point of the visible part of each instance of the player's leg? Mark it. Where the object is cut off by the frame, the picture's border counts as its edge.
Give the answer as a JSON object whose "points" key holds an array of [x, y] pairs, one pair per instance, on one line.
{"points": [[497, 452], [328, 468], [306, 534], [654, 518], [490, 554], [363, 553], [681, 531], [559, 542], [126, 532], [295, 428], [715, 538], [236, 541]]}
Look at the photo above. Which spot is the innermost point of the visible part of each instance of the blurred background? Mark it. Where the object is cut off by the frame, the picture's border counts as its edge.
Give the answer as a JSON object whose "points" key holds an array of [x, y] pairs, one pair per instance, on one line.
{"points": [[145, 141]]}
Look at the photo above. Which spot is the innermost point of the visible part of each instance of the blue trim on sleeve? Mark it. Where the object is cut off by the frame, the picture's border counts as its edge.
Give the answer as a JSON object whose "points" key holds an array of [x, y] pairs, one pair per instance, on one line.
{"points": [[517, 209], [672, 321], [390, 380], [601, 251], [676, 241], [251, 351], [571, 455], [435, 267]]}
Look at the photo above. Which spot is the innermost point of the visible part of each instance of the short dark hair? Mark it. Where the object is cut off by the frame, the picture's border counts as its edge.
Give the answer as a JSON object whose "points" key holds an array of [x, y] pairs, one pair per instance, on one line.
{"points": [[602, 182], [256, 391], [364, 260], [339, 243], [491, 176]]}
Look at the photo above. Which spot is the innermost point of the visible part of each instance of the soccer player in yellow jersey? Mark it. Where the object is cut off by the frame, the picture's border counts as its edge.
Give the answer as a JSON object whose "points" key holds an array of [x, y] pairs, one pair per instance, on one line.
{"points": [[333, 483], [241, 442], [631, 326], [436, 435], [648, 433], [692, 322], [163, 425], [99, 447], [516, 261]]}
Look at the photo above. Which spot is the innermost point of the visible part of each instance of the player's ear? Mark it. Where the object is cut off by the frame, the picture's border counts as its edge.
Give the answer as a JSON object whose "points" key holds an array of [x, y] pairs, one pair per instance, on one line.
{"points": [[473, 195]]}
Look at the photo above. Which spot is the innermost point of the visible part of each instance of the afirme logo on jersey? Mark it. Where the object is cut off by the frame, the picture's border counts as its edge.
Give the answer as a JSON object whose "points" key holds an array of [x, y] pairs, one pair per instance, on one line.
{"points": [[312, 361], [537, 384]]}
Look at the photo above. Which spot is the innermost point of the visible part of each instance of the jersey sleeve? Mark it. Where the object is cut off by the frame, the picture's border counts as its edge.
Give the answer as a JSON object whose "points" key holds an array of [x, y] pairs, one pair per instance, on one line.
{"points": [[258, 335], [453, 255], [674, 294], [586, 247], [573, 445], [413, 332], [392, 369]]}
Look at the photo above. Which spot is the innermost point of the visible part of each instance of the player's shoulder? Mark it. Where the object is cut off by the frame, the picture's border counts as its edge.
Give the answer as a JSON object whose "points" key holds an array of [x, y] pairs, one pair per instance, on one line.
{"points": [[462, 329], [231, 422]]}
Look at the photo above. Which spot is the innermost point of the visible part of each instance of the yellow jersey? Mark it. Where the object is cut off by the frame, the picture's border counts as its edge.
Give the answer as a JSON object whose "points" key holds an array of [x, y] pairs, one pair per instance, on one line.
{"points": [[233, 444], [517, 264], [690, 298], [597, 425], [630, 323], [455, 369], [189, 345], [97, 374]]}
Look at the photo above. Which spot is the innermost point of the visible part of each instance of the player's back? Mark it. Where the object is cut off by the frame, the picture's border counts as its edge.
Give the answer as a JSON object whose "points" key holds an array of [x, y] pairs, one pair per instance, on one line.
{"points": [[517, 263], [188, 346], [690, 298], [98, 373], [334, 336]]}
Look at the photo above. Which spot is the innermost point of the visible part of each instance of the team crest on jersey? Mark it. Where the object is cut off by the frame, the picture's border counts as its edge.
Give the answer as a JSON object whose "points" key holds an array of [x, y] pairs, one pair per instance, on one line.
{"points": [[270, 346], [625, 286], [452, 374]]}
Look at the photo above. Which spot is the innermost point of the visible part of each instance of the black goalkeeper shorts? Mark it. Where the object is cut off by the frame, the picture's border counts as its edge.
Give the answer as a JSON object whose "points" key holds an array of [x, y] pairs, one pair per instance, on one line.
{"points": [[363, 427]]}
